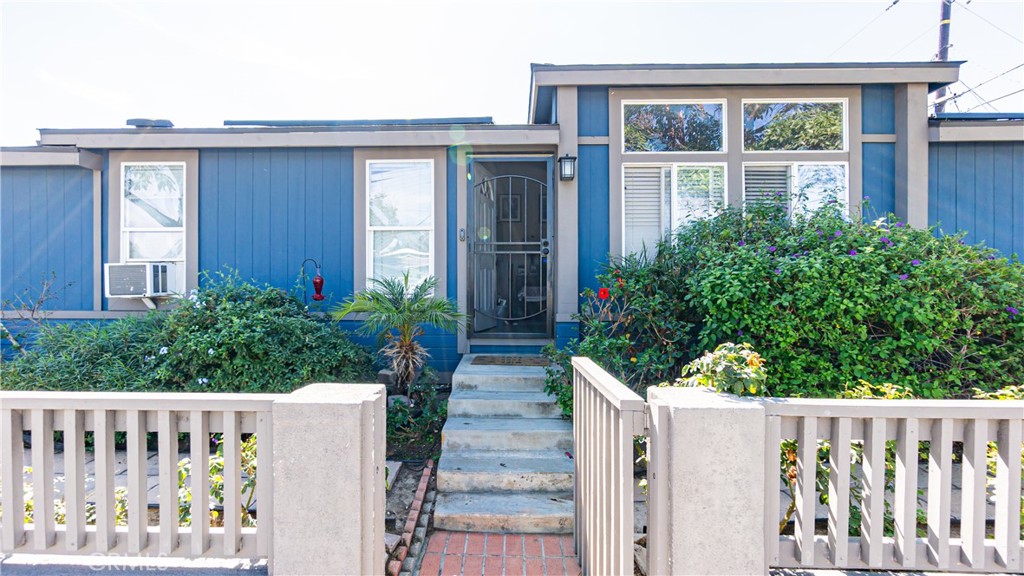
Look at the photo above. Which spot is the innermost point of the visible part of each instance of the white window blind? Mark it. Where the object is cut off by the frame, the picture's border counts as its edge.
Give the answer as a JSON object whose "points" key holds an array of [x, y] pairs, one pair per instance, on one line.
{"points": [[644, 199], [766, 184]]}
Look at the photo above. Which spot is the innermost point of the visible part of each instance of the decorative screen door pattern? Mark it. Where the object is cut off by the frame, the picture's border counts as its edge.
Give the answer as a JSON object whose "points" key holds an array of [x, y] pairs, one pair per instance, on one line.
{"points": [[509, 255]]}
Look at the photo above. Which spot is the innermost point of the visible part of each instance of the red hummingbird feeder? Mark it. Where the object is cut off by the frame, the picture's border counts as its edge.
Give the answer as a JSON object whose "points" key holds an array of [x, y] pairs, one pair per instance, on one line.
{"points": [[318, 280]]}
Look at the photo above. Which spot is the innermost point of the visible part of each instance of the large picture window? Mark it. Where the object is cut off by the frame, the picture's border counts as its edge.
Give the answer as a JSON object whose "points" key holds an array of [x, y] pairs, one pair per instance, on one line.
{"points": [[661, 198], [153, 212], [801, 187], [770, 125], [400, 219], [673, 126]]}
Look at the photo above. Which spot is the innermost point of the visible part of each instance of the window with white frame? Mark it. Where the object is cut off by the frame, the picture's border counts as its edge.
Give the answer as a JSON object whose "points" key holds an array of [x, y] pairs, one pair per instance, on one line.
{"points": [[800, 187], [673, 126], [660, 198], [794, 125], [400, 219], [153, 212]]}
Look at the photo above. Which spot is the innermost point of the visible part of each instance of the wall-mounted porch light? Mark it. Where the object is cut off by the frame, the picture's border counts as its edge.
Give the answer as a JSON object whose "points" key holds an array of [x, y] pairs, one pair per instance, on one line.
{"points": [[567, 167]]}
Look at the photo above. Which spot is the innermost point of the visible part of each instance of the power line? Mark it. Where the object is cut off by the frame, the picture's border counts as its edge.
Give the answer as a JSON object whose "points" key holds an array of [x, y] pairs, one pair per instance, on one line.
{"points": [[1000, 75], [999, 98], [953, 97], [916, 38], [866, 26], [990, 23]]}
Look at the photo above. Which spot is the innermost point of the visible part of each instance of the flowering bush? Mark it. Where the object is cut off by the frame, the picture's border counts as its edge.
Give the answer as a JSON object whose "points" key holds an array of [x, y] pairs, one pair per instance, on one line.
{"points": [[826, 301], [228, 336], [732, 368]]}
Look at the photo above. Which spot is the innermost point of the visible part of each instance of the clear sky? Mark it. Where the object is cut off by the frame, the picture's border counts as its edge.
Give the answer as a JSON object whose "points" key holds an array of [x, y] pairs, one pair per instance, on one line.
{"points": [[96, 64]]}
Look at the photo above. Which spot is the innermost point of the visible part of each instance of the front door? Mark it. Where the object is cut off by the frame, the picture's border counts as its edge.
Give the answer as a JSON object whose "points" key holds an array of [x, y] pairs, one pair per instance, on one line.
{"points": [[510, 248]]}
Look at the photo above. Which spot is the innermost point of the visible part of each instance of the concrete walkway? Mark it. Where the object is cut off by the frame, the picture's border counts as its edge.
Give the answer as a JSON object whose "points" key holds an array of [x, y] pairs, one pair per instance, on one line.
{"points": [[480, 554]]}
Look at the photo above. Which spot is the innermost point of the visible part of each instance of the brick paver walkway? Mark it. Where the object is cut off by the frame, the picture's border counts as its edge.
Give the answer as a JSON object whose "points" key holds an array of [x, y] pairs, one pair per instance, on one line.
{"points": [[481, 554]]}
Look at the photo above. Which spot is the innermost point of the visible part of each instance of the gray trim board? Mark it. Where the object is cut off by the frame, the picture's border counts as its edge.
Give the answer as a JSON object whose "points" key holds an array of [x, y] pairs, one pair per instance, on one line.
{"points": [[936, 74], [383, 136], [875, 138], [50, 156], [980, 131], [593, 140]]}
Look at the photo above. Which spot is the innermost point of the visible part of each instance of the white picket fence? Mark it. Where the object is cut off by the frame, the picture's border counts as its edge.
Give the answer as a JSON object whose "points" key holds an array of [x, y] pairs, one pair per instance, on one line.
{"points": [[715, 486], [323, 433]]}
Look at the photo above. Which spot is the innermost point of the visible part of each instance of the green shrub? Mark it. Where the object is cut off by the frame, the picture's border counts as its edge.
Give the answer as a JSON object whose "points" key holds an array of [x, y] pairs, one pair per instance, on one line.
{"points": [[826, 301], [228, 336]]}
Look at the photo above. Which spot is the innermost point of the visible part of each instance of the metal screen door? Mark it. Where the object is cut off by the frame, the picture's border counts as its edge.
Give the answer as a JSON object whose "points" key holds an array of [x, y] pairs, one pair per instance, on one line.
{"points": [[509, 250]]}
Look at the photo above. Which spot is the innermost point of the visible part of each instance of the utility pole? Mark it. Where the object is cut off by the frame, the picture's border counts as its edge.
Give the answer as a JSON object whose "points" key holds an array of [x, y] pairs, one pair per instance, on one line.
{"points": [[943, 54]]}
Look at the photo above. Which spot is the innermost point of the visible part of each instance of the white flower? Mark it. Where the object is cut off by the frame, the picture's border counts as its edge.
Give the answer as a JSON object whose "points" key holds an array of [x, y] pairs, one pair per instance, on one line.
{"points": [[150, 358], [203, 381], [163, 350], [210, 352]]}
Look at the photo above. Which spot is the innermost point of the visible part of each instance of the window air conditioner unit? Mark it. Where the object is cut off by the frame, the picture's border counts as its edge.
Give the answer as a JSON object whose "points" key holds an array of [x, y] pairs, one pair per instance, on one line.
{"points": [[139, 280]]}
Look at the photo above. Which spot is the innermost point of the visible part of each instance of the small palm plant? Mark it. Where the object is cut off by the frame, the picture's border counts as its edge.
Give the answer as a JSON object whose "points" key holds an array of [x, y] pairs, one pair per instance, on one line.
{"points": [[397, 312]]}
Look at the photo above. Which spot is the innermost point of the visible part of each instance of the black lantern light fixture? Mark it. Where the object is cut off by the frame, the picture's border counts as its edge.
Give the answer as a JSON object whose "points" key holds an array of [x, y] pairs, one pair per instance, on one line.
{"points": [[567, 168]]}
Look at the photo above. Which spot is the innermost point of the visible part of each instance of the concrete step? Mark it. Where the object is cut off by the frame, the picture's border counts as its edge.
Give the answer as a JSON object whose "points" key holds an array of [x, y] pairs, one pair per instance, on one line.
{"points": [[520, 512], [497, 378], [494, 471], [506, 434], [477, 403]]}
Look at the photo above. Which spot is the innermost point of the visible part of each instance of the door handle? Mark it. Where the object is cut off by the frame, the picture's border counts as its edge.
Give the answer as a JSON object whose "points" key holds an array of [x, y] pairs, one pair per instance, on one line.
{"points": [[545, 251]]}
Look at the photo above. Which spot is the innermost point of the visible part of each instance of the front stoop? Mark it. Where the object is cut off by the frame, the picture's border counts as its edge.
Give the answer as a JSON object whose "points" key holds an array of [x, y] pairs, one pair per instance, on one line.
{"points": [[505, 456]]}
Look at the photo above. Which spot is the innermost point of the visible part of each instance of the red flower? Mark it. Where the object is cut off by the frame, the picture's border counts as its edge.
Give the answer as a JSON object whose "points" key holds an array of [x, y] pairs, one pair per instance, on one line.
{"points": [[603, 293], [622, 283]]}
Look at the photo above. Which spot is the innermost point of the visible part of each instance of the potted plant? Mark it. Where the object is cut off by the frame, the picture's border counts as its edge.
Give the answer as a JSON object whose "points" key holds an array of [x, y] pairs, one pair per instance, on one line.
{"points": [[397, 312]]}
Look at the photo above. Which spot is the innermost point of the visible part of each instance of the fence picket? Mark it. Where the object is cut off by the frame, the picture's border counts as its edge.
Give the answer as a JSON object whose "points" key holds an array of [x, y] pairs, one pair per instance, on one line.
{"points": [[167, 455], [940, 486], [806, 468], [43, 532], [13, 465], [973, 487], [839, 491], [232, 485], [103, 493], [74, 479], [873, 493], [1007, 489], [138, 504], [905, 501]]}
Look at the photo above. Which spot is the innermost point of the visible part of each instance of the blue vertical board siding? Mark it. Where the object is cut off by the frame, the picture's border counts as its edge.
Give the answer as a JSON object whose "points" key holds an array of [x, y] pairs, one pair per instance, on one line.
{"points": [[879, 180], [46, 215], [878, 109], [592, 110], [545, 109], [565, 331], [593, 201], [263, 212], [452, 205], [978, 188]]}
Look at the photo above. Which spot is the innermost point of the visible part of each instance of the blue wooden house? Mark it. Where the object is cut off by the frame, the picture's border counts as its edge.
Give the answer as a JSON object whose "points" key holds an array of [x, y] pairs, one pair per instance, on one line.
{"points": [[515, 220]]}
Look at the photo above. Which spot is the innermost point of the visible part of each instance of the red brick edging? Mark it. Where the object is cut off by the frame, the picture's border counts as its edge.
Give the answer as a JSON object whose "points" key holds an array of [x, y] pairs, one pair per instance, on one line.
{"points": [[395, 565]]}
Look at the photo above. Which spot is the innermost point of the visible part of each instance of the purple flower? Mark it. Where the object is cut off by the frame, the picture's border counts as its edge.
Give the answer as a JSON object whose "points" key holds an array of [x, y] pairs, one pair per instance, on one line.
{"points": [[885, 240], [739, 332], [867, 197], [819, 233], [741, 243], [915, 262], [991, 257], [1012, 311], [771, 248], [903, 276], [839, 233], [962, 243], [900, 224], [778, 270], [853, 252]]}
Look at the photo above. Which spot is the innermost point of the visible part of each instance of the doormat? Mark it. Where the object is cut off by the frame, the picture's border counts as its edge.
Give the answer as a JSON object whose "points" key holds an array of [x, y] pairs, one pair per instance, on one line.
{"points": [[488, 360]]}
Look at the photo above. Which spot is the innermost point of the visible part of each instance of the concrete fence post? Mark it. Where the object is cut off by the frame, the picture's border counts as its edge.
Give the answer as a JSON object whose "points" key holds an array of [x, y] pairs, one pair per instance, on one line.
{"points": [[706, 483], [328, 493]]}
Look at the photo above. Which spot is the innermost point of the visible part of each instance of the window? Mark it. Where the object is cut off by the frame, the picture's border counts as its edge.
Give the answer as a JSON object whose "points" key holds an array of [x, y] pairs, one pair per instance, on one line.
{"points": [[771, 125], [400, 219], [673, 126], [153, 212], [801, 187], [660, 198]]}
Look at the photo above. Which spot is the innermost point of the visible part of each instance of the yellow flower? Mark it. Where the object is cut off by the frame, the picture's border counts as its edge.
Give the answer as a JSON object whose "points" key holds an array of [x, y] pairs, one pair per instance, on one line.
{"points": [[633, 359]]}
